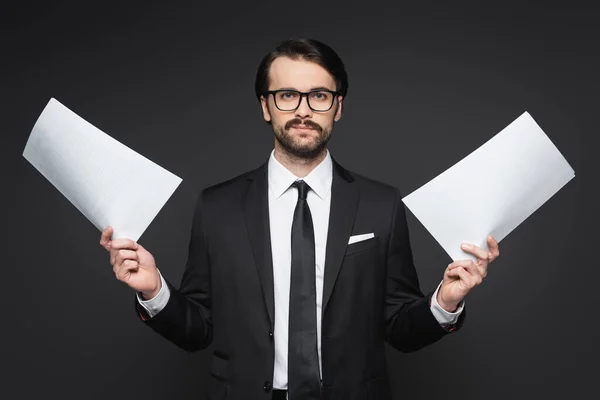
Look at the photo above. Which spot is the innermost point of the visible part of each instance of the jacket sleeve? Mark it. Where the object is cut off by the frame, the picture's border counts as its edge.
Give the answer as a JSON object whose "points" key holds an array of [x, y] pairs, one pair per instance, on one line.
{"points": [[186, 319], [410, 324]]}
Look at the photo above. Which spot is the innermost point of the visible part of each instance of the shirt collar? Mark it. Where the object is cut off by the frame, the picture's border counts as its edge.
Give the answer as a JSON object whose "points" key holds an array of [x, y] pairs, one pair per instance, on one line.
{"points": [[319, 179]]}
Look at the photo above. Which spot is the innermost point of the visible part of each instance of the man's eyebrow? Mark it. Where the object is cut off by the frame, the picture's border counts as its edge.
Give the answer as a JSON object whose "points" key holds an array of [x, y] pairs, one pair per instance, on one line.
{"points": [[321, 88], [312, 89], [288, 88]]}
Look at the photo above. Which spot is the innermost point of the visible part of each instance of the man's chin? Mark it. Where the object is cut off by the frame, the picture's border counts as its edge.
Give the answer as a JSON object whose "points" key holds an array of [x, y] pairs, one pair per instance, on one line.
{"points": [[302, 145], [305, 151], [303, 138]]}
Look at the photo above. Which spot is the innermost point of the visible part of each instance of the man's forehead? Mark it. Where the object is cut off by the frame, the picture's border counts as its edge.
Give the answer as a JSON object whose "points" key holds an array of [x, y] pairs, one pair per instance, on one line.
{"points": [[298, 74]]}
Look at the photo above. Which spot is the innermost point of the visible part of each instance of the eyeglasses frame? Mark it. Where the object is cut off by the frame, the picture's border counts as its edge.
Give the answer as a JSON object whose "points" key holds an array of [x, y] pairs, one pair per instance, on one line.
{"points": [[302, 94]]}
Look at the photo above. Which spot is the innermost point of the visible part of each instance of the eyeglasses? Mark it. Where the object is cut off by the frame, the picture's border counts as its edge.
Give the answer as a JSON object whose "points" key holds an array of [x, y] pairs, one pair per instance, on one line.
{"points": [[289, 100]]}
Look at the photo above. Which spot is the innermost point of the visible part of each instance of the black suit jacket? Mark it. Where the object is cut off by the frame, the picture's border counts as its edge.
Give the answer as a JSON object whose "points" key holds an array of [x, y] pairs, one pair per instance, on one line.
{"points": [[371, 290]]}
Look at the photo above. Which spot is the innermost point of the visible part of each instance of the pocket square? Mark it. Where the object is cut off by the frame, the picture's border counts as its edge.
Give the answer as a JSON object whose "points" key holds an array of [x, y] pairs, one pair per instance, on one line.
{"points": [[360, 238]]}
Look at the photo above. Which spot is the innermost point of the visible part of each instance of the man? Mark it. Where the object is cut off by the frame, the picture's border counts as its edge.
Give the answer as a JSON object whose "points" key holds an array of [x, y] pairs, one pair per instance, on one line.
{"points": [[299, 271]]}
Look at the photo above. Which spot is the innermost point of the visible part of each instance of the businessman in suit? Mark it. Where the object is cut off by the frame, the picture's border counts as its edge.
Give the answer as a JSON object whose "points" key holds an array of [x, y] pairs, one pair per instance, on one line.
{"points": [[299, 271]]}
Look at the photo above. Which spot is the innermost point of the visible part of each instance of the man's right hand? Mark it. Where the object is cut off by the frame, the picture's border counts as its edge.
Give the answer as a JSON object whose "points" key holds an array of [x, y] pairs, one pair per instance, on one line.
{"points": [[132, 264]]}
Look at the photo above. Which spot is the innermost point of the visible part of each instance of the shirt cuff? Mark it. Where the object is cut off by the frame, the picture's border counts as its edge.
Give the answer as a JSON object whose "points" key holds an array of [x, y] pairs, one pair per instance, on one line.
{"points": [[445, 318], [158, 302]]}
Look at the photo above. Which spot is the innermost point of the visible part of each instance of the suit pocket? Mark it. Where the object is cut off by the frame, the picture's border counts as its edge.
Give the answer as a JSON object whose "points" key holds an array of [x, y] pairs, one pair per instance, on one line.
{"points": [[219, 366], [363, 245], [219, 375]]}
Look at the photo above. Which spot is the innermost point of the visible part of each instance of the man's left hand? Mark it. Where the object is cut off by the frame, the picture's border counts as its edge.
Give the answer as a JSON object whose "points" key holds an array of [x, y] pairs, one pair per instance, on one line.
{"points": [[463, 275]]}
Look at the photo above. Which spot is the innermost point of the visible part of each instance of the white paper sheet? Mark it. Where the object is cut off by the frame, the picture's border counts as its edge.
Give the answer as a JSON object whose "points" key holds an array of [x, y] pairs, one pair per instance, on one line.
{"points": [[104, 179], [493, 189]]}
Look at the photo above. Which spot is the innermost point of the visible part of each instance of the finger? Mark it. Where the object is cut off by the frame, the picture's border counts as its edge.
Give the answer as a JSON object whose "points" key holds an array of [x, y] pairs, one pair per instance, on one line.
{"points": [[113, 256], [119, 244], [478, 272], [105, 237], [464, 275], [123, 255], [126, 268], [114, 253], [459, 272], [460, 263], [454, 272], [475, 250], [493, 246]]}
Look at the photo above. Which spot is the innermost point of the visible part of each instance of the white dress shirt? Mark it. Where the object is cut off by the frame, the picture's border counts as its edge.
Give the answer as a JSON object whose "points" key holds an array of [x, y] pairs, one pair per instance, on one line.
{"points": [[282, 202]]}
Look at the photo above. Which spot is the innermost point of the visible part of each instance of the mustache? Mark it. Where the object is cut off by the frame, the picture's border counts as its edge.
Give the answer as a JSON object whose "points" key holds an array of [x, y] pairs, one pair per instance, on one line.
{"points": [[306, 122]]}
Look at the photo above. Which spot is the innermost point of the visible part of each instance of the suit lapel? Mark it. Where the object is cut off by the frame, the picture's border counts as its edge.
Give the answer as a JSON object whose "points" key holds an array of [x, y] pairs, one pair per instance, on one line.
{"points": [[344, 202], [255, 199]]}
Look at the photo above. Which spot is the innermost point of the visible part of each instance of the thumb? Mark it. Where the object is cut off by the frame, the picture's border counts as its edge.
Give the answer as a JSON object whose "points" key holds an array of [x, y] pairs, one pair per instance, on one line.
{"points": [[106, 237]]}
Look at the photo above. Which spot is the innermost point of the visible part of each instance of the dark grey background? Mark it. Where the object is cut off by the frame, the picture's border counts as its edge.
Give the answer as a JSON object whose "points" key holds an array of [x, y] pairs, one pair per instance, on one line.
{"points": [[174, 81]]}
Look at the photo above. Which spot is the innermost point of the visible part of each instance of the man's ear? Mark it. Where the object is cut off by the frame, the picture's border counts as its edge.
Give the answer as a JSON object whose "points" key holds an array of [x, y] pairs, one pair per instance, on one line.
{"points": [[338, 112], [265, 109]]}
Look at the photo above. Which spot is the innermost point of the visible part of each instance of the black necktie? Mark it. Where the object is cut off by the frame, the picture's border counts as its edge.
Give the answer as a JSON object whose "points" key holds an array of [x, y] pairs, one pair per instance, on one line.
{"points": [[304, 382]]}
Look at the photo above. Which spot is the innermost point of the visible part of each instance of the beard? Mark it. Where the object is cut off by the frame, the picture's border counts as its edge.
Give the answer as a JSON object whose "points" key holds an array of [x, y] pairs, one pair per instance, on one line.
{"points": [[294, 146]]}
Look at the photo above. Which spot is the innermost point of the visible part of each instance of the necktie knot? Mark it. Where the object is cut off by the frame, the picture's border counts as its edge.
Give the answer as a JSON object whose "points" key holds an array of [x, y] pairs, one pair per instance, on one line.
{"points": [[303, 189]]}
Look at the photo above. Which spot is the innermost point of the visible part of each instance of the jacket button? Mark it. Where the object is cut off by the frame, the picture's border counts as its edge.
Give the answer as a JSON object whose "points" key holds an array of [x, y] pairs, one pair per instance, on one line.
{"points": [[271, 335], [267, 386]]}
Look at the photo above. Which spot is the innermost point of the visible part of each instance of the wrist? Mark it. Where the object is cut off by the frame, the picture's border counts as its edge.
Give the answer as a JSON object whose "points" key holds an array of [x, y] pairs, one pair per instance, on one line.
{"points": [[446, 306], [149, 295]]}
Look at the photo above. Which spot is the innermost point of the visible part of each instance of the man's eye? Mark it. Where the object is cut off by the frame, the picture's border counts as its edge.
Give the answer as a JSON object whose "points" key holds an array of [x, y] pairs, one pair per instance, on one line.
{"points": [[319, 95], [288, 95]]}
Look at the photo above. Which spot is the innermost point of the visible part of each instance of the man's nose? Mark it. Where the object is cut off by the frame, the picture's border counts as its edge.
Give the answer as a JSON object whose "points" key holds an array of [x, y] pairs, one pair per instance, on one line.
{"points": [[303, 109]]}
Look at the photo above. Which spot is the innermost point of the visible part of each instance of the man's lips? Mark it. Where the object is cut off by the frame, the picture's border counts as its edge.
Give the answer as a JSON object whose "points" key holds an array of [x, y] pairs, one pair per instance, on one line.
{"points": [[304, 127]]}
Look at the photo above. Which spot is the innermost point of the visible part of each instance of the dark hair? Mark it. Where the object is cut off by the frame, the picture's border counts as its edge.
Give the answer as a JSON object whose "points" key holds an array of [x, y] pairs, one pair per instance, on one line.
{"points": [[306, 49]]}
